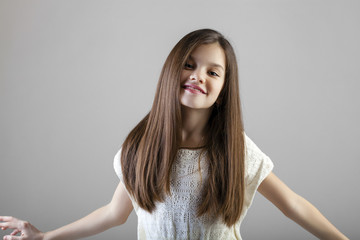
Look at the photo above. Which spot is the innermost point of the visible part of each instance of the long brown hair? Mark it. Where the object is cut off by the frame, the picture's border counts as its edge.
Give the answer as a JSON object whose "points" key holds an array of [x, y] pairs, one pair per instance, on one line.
{"points": [[150, 149]]}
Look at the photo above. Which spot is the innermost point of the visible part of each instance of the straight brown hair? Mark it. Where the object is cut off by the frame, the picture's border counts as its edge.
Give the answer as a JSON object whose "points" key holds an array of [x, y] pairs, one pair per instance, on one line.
{"points": [[149, 150]]}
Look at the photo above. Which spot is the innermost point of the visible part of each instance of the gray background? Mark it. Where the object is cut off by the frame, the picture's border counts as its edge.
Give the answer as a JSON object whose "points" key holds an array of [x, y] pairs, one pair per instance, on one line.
{"points": [[76, 76]]}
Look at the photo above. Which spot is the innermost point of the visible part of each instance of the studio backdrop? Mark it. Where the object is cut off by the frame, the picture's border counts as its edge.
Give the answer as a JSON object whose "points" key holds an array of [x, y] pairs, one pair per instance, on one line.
{"points": [[77, 76]]}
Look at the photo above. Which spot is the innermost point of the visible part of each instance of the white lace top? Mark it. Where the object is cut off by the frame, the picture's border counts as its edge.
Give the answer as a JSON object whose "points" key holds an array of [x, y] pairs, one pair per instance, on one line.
{"points": [[175, 218]]}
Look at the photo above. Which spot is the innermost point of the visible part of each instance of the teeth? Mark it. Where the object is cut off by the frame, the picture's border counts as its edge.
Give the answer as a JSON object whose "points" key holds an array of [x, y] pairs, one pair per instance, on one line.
{"points": [[194, 89]]}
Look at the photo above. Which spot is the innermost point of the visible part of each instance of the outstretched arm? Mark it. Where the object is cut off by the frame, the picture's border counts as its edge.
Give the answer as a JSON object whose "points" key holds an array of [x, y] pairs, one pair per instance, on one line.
{"points": [[113, 214], [298, 209]]}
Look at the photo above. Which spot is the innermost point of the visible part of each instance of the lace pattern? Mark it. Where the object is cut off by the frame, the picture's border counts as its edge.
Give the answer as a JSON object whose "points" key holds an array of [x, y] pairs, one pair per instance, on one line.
{"points": [[175, 218]]}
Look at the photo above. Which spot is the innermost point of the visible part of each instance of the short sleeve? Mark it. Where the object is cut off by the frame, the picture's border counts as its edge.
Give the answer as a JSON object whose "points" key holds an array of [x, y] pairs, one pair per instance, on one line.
{"points": [[117, 168], [257, 167], [117, 165]]}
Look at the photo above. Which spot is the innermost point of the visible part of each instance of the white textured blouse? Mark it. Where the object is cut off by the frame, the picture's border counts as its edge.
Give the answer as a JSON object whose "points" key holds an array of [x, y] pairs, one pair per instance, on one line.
{"points": [[175, 218]]}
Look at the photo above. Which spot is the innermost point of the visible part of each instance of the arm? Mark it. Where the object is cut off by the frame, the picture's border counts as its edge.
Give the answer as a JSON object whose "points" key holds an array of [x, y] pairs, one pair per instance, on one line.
{"points": [[113, 214], [298, 209]]}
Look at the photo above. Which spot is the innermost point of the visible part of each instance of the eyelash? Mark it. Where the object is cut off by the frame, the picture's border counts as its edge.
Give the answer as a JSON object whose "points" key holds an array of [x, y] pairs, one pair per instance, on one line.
{"points": [[212, 73], [187, 65]]}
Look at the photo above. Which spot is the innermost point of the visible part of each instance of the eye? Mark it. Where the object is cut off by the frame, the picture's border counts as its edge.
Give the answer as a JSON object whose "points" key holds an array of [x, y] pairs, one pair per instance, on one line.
{"points": [[213, 74], [188, 66]]}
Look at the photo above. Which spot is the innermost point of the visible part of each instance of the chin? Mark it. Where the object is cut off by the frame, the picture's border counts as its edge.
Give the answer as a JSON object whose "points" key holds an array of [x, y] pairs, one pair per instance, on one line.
{"points": [[193, 106], [189, 105]]}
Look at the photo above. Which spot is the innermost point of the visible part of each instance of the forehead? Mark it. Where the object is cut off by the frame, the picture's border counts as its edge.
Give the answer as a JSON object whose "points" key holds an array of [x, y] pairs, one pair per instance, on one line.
{"points": [[211, 53]]}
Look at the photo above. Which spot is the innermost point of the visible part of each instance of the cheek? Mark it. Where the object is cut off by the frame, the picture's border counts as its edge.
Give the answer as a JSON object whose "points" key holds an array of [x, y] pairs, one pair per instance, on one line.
{"points": [[217, 88]]}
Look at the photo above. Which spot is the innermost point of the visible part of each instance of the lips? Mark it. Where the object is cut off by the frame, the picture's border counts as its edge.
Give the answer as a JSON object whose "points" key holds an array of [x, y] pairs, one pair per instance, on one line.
{"points": [[194, 87]]}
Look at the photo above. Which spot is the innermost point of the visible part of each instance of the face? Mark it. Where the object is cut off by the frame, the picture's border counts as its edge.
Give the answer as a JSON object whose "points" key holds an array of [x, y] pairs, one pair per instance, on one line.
{"points": [[203, 77]]}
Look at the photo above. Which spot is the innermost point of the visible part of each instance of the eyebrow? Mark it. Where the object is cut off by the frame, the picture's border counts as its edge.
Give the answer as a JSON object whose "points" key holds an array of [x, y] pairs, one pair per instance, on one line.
{"points": [[211, 64]]}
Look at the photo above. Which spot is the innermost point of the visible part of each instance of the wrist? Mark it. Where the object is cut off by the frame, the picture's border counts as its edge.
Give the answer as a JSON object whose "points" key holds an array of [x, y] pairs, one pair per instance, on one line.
{"points": [[47, 236]]}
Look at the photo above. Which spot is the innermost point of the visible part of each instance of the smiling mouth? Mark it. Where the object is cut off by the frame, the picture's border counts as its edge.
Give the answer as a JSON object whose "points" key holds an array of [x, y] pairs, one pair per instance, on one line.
{"points": [[193, 89]]}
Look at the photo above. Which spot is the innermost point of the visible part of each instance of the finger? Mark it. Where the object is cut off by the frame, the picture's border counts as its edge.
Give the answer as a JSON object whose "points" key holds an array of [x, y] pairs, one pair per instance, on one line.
{"points": [[16, 231], [14, 223], [8, 222], [11, 225], [8, 237], [3, 228], [7, 218]]}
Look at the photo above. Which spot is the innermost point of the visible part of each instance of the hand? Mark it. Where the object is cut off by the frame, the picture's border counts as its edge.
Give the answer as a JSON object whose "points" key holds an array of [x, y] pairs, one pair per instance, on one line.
{"points": [[27, 231]]}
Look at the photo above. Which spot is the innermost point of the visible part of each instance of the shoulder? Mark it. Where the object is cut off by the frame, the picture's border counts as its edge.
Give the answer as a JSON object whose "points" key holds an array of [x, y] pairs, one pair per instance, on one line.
{"points": [[117, 164], [257, 164]]}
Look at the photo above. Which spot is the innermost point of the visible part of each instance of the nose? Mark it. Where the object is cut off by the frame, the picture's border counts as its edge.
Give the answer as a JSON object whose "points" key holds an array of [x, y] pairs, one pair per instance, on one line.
{"points": [[197, 76]]}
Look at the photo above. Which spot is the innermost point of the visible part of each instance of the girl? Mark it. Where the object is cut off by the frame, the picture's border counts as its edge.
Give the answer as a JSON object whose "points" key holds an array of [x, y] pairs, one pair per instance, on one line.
{"points": [[188, 168]]}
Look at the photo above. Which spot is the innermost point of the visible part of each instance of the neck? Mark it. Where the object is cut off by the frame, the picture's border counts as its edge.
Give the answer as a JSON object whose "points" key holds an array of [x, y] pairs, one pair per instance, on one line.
{"points": [[193, 126]]}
